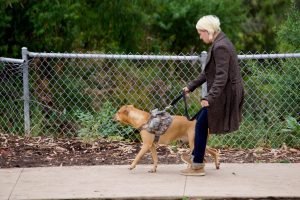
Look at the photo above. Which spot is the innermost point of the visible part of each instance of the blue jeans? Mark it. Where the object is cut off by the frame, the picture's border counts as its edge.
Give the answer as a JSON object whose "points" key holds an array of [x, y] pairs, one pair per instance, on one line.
{"points": [[201, 133]]}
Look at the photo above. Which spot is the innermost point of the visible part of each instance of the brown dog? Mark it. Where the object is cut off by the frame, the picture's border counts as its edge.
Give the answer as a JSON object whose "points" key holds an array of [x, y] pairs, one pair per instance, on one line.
{"points": [[180, 128]]}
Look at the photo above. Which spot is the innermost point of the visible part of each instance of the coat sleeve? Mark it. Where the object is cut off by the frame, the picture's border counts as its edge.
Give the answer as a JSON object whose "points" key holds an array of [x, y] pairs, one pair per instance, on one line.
{"points": [[197, 82], [222, 57]]}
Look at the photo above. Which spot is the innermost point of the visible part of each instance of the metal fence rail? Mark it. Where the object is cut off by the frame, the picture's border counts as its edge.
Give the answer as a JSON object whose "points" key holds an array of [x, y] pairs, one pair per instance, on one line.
{"points": [[78, 94]]}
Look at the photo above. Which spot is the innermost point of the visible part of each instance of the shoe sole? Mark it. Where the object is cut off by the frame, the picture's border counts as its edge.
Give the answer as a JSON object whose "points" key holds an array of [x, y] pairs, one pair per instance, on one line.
{"points": [[193, 174]]}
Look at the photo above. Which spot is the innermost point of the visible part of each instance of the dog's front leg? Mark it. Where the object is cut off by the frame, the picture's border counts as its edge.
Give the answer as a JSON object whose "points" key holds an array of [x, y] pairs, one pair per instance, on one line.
{"points": [[154, 157], [143, 150]]}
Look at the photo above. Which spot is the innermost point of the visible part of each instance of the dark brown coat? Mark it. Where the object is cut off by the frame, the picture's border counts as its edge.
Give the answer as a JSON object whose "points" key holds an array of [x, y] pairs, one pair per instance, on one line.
{"points": [[225, 90]]}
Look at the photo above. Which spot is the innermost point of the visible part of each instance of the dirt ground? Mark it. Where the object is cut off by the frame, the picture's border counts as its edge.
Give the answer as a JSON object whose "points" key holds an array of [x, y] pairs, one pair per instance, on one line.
{"points": [[16, 151]]}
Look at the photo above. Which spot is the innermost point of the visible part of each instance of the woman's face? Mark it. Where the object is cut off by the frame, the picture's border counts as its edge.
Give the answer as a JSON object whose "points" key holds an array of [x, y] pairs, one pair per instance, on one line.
{"points": [[203, 34]]}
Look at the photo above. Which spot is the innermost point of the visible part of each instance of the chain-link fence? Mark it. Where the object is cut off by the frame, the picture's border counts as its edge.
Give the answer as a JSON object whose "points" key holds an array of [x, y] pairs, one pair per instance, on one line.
{"points": [[78, 94], [11, 89]]}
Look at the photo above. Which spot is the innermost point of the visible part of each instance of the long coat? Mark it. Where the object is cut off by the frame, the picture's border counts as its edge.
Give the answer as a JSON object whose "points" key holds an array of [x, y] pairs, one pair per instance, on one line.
{"points": [[225, 90]]}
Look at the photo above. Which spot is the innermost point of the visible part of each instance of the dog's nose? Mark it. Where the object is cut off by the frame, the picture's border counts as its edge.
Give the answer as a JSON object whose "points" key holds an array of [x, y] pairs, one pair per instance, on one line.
{"points": [[115, 118]]}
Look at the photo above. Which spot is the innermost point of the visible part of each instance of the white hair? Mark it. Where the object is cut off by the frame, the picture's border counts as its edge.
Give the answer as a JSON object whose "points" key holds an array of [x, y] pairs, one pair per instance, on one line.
{"points": [[210, 23]]}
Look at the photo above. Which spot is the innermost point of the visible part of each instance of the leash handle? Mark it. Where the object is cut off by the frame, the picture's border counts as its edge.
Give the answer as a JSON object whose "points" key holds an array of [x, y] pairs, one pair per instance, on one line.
{"points": [[172, 104], [182, 95], [176, 100], [186, 108]]}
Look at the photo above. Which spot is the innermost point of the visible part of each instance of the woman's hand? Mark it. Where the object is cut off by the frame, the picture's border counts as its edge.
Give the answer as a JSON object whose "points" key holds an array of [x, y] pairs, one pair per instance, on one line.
{"points": [[186, 91], [204, 103]]}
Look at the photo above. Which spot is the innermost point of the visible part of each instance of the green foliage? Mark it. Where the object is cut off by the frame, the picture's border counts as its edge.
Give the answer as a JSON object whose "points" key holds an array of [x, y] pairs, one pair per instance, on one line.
{"points": [[293, 127], [259, 28], [11, 103], [137, 26], [37, 120], [11, 118], [54, 23], [72, 25], [288, 33], [174, 22], [50, 122], [71, 90], [290, 132], [4, 24]]}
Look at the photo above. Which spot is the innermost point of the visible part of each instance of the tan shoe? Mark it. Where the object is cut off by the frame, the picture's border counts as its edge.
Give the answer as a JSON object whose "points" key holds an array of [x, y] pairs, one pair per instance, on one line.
{"points": [[186, 158], [193, 171]]}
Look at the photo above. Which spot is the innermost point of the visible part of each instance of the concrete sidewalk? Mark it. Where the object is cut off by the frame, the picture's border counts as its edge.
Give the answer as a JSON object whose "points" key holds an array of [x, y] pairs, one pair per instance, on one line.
{"points": [[117, 182]]}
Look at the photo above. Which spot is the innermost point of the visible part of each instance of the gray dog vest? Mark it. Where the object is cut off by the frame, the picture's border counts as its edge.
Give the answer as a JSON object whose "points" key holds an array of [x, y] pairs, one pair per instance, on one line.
{"points": [[158, 123]]}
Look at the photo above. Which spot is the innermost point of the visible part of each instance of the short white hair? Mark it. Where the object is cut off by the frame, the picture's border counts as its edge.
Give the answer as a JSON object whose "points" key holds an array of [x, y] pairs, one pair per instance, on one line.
{"points": [[210, 23]]}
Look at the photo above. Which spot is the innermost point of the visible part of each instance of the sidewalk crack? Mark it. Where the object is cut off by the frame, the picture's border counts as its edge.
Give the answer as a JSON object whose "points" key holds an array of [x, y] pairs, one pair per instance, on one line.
{"points": [[183, 195], [13, 189]]}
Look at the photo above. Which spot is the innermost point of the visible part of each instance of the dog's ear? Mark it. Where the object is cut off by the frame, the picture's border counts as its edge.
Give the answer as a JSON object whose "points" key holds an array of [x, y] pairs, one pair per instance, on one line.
{"points": [[125, 111], [131, 106]]}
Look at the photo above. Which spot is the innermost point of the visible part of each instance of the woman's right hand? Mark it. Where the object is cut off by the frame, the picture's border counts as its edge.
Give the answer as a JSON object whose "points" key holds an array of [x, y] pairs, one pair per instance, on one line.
{"points": [[186, 90]]}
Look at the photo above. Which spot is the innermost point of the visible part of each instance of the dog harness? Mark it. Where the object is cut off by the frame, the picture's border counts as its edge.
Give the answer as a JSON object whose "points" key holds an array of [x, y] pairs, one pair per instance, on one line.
{"points": [[158, 123]]}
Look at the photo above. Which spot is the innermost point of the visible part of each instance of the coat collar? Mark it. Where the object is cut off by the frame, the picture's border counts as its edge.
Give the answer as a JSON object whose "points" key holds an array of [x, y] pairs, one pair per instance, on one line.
{"points": [[219, 37]]}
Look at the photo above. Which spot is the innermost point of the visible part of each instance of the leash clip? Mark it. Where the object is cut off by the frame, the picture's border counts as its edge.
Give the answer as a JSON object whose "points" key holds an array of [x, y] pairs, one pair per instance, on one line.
{"points": [[168, 107]]}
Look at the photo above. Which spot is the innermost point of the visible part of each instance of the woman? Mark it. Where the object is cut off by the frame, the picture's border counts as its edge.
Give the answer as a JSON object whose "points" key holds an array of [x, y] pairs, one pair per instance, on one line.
{"points": [[221, 106]]}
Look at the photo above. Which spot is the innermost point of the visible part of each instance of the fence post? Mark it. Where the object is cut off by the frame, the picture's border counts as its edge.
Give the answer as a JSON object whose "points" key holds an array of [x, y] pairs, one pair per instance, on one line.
{"points": [[203, 63], [26, 91]]}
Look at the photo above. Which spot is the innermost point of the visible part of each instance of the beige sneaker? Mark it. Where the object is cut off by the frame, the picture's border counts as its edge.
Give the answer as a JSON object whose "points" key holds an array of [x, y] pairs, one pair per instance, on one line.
{"points": [[186, 158], [193, 172]]}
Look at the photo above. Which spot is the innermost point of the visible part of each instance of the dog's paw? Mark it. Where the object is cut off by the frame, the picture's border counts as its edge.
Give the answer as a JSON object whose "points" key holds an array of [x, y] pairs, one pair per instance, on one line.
{"points": [[217, 165], [152, 171], [131, 167]]}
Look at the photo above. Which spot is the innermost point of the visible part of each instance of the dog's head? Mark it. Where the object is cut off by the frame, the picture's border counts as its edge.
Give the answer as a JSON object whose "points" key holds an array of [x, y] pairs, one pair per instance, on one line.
{"points": [[122, 114], [130, 115]]}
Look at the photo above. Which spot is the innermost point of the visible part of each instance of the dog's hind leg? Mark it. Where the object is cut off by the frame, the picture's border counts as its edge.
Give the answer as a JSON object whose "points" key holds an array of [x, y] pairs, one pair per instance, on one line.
{"points": [[215, 154], [154, 157], [191, 141]]}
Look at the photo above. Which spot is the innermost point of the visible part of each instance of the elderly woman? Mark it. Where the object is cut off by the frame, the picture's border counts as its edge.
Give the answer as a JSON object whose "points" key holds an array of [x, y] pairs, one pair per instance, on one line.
{"points": [[221, 106]]}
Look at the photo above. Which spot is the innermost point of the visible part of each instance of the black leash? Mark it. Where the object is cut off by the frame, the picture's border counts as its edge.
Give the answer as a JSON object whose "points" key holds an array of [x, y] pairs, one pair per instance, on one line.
{"points": [[176, 100], [183, 95], [186, 109]]}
